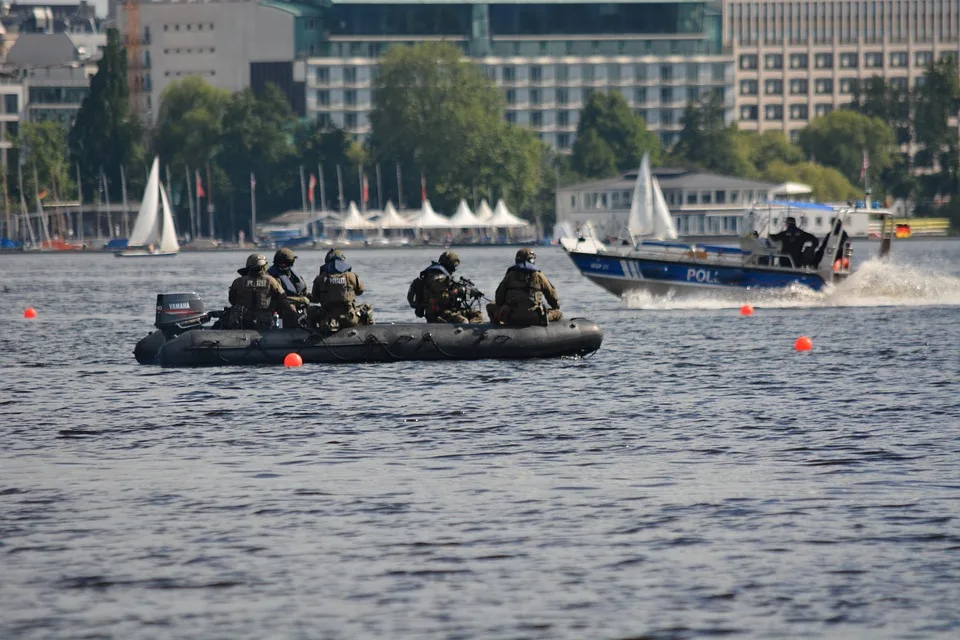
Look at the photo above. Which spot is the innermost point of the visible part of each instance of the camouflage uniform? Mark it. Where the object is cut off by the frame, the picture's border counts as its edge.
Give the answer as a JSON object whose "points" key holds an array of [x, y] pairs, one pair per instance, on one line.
{"points": [[519, 298], [254, 297], [441, 293], [336, 289], [293, 285]]}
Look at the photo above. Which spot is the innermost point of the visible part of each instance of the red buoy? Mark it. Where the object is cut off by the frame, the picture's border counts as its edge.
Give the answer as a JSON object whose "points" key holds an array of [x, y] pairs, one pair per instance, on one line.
{"points": [[746, 310], [293, 360], [30, 313], [803, 344]]}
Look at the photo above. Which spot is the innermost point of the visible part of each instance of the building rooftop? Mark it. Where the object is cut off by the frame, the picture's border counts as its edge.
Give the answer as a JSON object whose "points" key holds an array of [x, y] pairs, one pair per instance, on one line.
{"points": [[673, 178], [42, 50]]}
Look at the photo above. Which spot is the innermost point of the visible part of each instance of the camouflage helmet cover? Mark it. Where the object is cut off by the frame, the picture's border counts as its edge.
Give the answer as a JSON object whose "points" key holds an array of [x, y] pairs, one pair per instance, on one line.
{"points": [[449, 259], [284, 256], [256, 261], [525, 255]]}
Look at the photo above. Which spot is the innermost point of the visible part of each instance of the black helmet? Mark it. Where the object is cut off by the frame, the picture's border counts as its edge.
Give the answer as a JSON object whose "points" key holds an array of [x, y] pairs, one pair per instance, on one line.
{"points": [[791, 220], [526, 255], [256, 261], [450, 260], [284, 256]]}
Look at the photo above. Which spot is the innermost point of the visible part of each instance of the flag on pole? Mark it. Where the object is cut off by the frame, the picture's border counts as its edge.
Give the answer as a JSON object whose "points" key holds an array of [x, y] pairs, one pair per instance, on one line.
{"points": [[366, 190], [200, 191], [423, 188], [865, 166], [313, 185]]}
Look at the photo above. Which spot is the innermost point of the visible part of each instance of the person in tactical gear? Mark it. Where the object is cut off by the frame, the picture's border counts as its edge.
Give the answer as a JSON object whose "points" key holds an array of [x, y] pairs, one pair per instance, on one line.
{"points": [[519, 298], [336, 289], [792, 240], [255, 296], [293, 285], [438, 297]]}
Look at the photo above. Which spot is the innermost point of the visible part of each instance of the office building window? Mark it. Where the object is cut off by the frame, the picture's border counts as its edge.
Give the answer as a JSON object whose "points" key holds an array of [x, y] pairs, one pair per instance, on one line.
{"points": [[773, 87], [350, 75], [799, 61], [640, 95], [543, 48], [562, 72], [924, 58], [799, 112], [748, 61], [534, 96], [748, 87], [719, 72], [823, 86], [799, 87], [323, 75], [323, 98], [350, 98], [613, 73], [561, 96], [748, 112], [642, 113], [666, 95], [823, 61], [563, 119], [900, 83], [350, 121], [823, 109], [587, 73], [512, 117], [666, 117], [849, 61], [640, 73], [693, 71], [899, 59], [509, 74], [536, 118], [773, 112], [11, 103], [873, 60], [848, 85], [511, 97], [666, 73], [773, 61], [693, 94], [536, 75], [563, 140]]}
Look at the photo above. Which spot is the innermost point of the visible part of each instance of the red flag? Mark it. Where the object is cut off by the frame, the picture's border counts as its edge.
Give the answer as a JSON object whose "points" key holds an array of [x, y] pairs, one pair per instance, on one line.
{"points": [[865, 165], [313, 185], [200, 192], [366, 190], [423, 188]]}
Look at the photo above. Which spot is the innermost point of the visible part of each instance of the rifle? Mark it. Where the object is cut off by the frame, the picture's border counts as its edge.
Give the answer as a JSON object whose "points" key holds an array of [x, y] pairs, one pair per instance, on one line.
{"points": [[468, 295]]}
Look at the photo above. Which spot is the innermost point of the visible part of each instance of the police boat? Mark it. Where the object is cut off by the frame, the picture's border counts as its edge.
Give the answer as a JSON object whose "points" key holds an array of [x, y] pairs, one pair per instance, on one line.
{"points": [[677, 268], [184, 339]]}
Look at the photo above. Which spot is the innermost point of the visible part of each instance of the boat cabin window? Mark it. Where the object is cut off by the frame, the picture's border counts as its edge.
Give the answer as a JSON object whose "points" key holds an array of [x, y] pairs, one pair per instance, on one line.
{"points": [[819, 221]]}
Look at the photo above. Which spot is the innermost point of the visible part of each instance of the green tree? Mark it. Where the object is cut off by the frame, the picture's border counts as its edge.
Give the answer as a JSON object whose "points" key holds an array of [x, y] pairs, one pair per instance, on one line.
{"points": [[609, 133], [190, 122], [437, 114], [706, 141], [43, 145], [768, 147], [839, 140], [937, 100], [878, 98], [829, 185], [105, 134]]}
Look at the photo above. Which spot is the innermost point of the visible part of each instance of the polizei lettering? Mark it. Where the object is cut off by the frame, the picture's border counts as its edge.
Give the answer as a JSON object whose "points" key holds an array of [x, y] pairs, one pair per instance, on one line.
{"points": [[702, 275]]}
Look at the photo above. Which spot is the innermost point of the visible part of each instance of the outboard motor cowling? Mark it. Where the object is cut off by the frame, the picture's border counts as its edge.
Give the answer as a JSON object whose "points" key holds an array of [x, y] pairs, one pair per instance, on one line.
{"points": [[179, 312]]}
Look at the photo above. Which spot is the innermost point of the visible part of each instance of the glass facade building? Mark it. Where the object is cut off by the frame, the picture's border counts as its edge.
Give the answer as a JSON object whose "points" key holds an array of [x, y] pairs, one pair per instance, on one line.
{"points": [[547, 56]]}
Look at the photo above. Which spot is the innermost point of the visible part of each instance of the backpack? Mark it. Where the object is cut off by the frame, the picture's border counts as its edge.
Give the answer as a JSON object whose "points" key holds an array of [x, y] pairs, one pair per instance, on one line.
{"points": [[415, 295]]}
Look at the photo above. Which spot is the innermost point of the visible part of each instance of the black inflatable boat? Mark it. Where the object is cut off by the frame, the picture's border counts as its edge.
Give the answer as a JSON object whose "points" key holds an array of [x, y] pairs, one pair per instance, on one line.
{"points": [[182, 340]]}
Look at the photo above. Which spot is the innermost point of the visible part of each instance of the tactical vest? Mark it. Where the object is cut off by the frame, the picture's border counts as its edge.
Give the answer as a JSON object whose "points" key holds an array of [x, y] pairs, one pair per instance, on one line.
{"points": [[293, 285], [524, 289], [255, 293], [339, 289]]}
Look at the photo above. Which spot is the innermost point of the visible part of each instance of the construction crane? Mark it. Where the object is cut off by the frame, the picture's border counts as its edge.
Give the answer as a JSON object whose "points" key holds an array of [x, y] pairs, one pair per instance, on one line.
{"points": [[133, 40]]}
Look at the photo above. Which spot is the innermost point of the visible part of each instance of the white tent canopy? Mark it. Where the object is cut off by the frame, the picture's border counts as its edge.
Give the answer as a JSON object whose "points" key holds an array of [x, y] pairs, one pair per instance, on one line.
{"points": [[428, 219], [353, 220], [484, 212], [502, 218], [390, 219], [464, 218]]}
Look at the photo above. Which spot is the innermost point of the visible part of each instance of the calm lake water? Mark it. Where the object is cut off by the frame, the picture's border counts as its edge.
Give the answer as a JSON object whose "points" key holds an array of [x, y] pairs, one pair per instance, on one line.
{"points": [[695, 477]]}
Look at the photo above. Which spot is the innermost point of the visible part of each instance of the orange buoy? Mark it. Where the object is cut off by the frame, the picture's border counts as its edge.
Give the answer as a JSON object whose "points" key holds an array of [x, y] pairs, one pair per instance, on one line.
{"points": [[846, 263], [746, 310], [803, 344], [293, 360], [837, 265], [30, 313]]}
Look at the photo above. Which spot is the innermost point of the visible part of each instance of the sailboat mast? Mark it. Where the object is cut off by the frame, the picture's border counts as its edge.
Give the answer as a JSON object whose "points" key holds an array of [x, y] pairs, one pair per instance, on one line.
{"points": [[79, 206], [126, 212]]}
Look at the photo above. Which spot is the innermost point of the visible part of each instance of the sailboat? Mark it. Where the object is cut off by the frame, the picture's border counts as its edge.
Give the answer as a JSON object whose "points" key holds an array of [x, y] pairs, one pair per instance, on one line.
{"points": [[654, 261], [154, 234]]}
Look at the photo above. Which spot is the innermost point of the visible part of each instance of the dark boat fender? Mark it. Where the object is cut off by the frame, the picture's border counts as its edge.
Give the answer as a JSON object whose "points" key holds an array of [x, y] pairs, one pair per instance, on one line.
{"points": [[374, 343]]}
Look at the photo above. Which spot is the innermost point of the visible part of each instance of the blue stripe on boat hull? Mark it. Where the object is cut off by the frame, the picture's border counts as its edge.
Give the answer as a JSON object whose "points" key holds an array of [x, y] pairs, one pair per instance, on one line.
{"points": [[619, 274]]}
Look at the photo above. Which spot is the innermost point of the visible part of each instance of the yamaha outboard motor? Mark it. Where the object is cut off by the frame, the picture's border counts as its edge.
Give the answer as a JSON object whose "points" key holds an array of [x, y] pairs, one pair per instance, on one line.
{"points": [[179, 312]]}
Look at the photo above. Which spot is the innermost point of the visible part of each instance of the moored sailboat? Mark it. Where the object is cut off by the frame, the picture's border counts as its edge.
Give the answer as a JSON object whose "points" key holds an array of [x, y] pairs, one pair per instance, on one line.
{"points": [[154, 233]]}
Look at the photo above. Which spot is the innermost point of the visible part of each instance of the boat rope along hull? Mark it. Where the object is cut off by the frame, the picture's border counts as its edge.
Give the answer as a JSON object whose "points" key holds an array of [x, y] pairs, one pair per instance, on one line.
{"points": [[620, 274], [373, 343]]}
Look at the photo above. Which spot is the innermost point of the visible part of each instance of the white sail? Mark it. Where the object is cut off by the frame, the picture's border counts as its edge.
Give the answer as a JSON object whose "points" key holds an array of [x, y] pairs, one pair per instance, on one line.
{"points": [[145, 228], [168, 231], [640, 222], [663, 227]]}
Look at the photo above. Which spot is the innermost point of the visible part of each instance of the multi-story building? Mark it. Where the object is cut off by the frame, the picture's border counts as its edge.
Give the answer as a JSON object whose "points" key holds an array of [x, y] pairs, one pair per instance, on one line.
{"points": [[548, 56], [233, 44], [797, 60]]}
